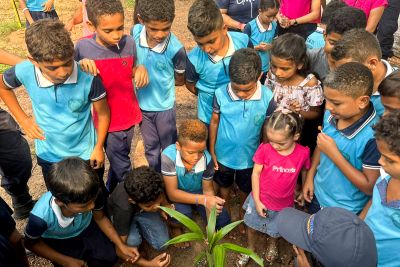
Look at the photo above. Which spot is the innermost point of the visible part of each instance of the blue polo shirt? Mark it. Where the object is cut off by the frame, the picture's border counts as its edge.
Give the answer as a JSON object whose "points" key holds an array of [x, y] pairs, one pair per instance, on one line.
{"points": [[384, 220], [36, 5], [188, 180], [316, 39], [358, 145], [47, 221], [258, 34], [240, 125], [240, 10], [211, 72], [161, 62], [62, 111]]}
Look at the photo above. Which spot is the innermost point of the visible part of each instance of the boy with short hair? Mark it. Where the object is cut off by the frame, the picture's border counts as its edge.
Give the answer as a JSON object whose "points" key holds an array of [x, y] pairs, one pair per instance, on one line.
{"points": [[232, 142], [342, 20], [134, 209], [188, 169], [361, 46], [389, 90], [345, 164], [164, 57], [68, 226], [62, 96], [382, 215], [207, 67], [114, 56]]}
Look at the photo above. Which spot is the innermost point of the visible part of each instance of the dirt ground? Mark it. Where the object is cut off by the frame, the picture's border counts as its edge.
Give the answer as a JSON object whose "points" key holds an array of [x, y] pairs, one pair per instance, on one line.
{"points": [[186, 108]]}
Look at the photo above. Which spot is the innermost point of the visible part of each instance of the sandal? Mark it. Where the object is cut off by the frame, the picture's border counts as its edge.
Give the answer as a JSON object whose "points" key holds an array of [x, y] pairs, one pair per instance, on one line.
{"points": [[272, 252], [243, 260]]}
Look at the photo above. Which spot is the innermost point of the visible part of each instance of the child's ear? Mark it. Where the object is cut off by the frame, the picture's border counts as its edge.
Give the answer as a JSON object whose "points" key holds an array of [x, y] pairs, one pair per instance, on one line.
{"points": [[363, 101], [140, 19], [34, 62], [372, 62], [296, 137], [225, 29], [91, 26], [259, 77], [178, 146], [130, 200], [59, 202]]}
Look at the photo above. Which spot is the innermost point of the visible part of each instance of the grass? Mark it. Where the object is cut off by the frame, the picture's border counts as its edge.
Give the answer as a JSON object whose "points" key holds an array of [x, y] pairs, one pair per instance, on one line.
{"points": [[129, 3], [9, 26]]}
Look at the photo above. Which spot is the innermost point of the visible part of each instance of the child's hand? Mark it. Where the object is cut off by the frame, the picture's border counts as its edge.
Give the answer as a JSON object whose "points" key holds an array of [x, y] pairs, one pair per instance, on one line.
{"points": [[308, 190], [302, 260], [141, 77], [89, 66], [264, 46], [162, 260], [48, 6], [283, 21], [214, 201], [300, 199], [31, 129], [214, 158], [295, 106], [327, 145], [261, 209], [72, 262], [97, 158], [129, 254]]}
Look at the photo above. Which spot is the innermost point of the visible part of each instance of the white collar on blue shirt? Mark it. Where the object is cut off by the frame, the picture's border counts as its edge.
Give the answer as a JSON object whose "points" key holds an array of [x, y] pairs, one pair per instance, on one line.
{"points": [[200, 166], [389, 70], [255, 96], [63, 221], [44, 82], [261, 28], [160, 48], [230, 52]]}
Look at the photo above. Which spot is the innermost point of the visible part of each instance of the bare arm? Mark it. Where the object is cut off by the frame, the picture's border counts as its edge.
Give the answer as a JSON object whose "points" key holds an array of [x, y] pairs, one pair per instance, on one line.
{"points": [[213, 137], [365, 210], [308, 188], [191, 87], [25, 10], [314, 14], [230, 22], [76, 19], [374, 18], [179, 79], [9, 59], [103, 113]]}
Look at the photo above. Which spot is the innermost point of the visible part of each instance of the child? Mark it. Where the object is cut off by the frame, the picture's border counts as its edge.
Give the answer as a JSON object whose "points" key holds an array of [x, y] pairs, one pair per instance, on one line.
{"points": [[277, 165], [343, 19], [262, 30], [165, 59], [67, 225], [293, 88], [113, 52], [233, 142], [134, 208], [345, 163], [316, 39], [34, 10], [390, 93], [382, 216], [80, 16], [207, 67], [62, 97], [188, 169], [361, 46], [12, 251]]}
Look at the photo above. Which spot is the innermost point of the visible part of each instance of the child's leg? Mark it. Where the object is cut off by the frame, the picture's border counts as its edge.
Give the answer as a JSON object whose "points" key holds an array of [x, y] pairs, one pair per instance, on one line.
{"points": [[243, 181], [152, 146], [118, 147], [225, 177], [153, 228], [166, 128]]}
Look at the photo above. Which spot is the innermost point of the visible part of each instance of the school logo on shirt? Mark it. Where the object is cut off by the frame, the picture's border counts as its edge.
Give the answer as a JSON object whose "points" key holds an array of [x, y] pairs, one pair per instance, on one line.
{"points": [[283, 170], [161, 66]]}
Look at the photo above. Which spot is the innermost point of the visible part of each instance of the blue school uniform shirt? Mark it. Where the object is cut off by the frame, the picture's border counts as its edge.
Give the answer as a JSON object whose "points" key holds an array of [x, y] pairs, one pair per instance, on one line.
{"points": [[316, 39], [358, 145], [384, 220], [47, 221], [36, 5], [257, 33], [161, 62], [188, 180], [240, 124], [211, 72], [62, 111]]}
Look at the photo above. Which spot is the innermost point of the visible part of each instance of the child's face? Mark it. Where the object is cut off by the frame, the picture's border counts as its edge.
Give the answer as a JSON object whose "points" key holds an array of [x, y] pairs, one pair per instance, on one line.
{"points": [[267, 16], [344, 107], [283, 69], [109, 29], [151, 206], [57, 71], [191, 152], [157, 31], [389, 161], [330, 41], [390, 103], [214, 42], [280, 140], [73, 209], [244, 91]]}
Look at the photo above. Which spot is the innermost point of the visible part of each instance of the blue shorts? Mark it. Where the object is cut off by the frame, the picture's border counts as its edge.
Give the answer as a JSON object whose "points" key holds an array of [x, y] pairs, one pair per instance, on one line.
{"points": [[251, 218]]}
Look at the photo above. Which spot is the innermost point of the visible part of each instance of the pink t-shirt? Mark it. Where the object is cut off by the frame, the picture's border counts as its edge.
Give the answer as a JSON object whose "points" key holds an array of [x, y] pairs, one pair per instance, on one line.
{"points": [[279, 174], [294, 9], [366, 5]]}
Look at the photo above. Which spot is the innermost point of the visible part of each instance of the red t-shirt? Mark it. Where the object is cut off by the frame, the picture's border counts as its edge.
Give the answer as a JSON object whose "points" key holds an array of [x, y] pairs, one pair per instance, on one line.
{"points": [[279, 174]]}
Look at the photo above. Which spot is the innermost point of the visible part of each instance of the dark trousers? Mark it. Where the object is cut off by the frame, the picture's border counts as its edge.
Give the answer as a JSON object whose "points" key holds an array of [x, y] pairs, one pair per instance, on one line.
{"points": [[304, 30], [118, 147], [314, 206], [15, 167], [91, 246], [158, 131], [38, 15], [387, 27]]}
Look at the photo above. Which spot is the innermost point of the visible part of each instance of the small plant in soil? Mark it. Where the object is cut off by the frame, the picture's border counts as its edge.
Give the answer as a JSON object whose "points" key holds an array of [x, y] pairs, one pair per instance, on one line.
{"points": [[213, 250]]}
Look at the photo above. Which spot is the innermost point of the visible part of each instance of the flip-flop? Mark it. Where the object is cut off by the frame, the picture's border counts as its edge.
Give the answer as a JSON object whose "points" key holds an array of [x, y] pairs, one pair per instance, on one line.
{"points": [[272, 253], [243, 260]]}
